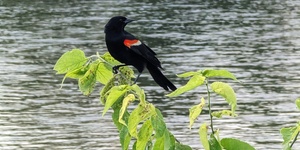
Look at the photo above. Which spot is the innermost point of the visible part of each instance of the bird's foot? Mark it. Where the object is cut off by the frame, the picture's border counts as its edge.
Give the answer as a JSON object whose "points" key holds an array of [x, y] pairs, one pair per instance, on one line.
{"points": [[115, 69]]}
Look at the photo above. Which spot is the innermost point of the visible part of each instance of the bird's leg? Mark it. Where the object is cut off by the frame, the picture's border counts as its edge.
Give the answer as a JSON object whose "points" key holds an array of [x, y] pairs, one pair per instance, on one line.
{"points": [[116, 68], [137, 78]]}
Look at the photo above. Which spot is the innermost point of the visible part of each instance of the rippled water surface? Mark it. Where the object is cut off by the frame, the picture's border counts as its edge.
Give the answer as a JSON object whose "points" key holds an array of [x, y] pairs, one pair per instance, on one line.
{"points": [[256, 40]]}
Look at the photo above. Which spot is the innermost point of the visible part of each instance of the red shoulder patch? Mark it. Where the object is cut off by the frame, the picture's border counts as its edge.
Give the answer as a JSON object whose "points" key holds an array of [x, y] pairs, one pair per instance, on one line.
{"points": [[130, 43]]}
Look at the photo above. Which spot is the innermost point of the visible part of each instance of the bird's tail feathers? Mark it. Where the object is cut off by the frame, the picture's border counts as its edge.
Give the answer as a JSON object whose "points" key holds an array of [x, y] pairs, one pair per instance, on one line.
{"points": [[159, 78]]}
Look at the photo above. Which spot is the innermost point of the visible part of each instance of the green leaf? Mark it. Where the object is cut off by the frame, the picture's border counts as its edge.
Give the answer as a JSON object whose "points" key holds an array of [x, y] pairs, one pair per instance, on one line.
{"points": [[134, 146], [125, 138], [115, 93], [139, 92], [159, 143], [127, 72], [218, 73], [140, 113], [286, 147], [162, 135], [128, 99], [105, 90], [109, 59], [115, 117], [179, 146], [203, 136], [78, 73], [194, 82], [87, 82], [104, 74], [144, 135], [169, 140], [214, 144], [235, 144], [158, 124], [187, 74], [70, 61], [298, 103], [289, 134], [195, 111], [123, 131], [219, 114], [225, 91]]}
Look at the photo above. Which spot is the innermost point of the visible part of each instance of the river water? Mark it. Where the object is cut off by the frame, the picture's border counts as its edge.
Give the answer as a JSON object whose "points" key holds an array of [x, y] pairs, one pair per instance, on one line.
{"points": [[256, 40]]}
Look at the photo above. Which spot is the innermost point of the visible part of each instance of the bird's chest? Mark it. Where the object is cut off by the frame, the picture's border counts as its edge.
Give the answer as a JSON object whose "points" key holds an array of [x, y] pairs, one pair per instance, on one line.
{"points": [[117, 49]]}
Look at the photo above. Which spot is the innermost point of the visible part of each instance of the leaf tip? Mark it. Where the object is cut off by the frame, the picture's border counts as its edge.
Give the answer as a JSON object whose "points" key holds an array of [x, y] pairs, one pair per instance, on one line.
{"points": [[103, 113]]}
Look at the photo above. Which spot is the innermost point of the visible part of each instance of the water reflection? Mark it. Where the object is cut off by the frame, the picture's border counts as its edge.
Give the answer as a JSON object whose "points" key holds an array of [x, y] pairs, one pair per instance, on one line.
{"points": [[256, 40]]}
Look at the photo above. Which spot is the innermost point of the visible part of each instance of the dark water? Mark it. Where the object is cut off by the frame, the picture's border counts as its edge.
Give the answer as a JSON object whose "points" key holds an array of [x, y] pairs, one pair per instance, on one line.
{"points": [[256, 40]]}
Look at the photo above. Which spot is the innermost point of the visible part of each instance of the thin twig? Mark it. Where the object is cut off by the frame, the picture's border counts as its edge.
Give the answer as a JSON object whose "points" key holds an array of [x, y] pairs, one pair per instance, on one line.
{"points": [[209, 107], [295, 139]]}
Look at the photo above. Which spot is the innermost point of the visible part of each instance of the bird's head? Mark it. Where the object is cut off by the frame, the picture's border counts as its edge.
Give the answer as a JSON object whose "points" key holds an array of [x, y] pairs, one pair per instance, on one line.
{"points": [[117, 23]]}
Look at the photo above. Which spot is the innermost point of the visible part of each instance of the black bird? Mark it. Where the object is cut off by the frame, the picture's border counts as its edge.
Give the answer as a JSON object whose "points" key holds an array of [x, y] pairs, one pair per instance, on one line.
{"points": [[127, 49]]}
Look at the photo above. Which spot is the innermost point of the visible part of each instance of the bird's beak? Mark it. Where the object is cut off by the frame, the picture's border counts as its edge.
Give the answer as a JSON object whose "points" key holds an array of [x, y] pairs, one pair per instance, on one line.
{"points": [[128, 20]]}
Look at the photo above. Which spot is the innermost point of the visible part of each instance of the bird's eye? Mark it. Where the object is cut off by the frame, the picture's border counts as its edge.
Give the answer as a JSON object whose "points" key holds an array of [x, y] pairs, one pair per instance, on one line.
{"points": [[121, 20]]}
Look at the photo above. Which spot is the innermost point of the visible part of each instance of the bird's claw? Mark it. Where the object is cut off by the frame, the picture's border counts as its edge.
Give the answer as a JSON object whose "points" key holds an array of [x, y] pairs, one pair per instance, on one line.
{"points": [[115, 69]]}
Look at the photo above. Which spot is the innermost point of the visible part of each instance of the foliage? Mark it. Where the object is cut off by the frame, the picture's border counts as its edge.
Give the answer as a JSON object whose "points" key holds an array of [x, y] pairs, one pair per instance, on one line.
{"points": [[290, 134], [212, 141], [144, 123]]}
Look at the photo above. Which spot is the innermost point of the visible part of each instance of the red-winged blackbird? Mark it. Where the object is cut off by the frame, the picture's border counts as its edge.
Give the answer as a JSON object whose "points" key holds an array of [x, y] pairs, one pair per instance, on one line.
{"points": [[127, 49]]}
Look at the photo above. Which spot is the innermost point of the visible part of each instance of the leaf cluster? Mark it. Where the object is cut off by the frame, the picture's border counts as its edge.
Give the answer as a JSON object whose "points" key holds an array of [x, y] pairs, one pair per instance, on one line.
{"points": [[199, 78], [88, 70], [144, 123]]}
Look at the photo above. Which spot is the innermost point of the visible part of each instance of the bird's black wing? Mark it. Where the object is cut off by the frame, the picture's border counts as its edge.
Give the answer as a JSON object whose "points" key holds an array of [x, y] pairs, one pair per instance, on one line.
{"points": [[141, 49]]}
